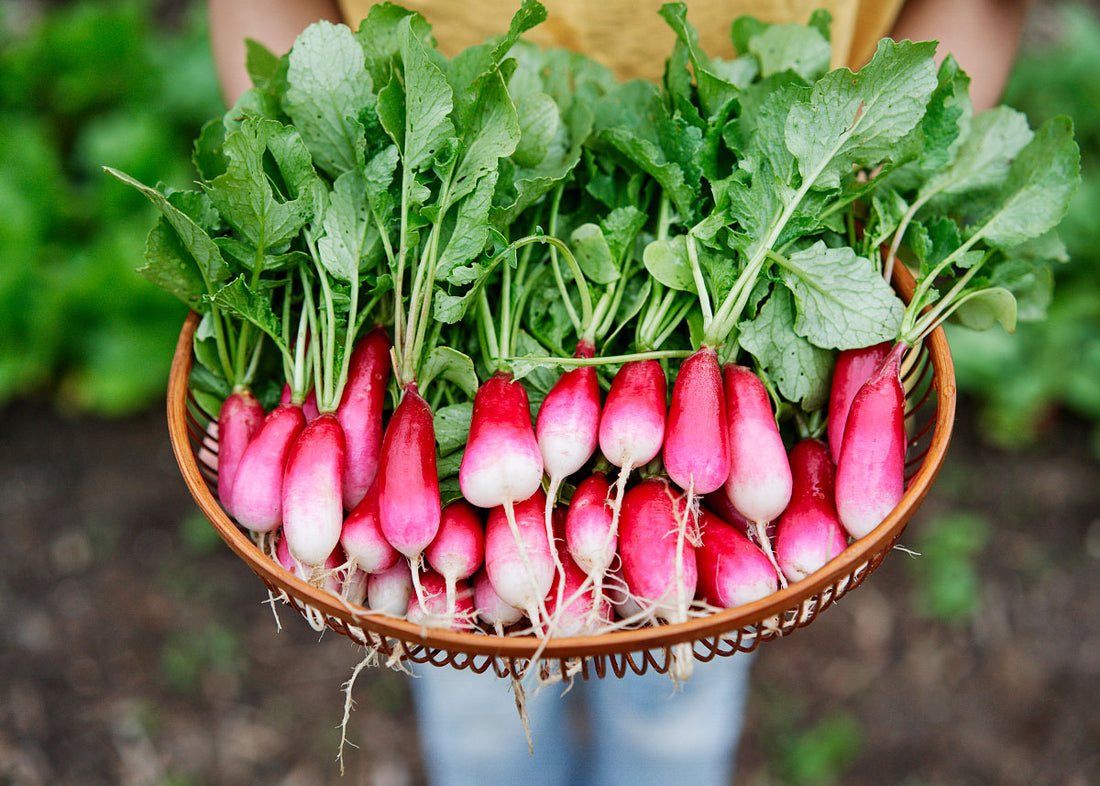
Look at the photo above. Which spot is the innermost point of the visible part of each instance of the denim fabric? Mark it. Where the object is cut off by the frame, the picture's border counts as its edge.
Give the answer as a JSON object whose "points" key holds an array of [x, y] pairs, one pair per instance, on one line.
{"points": [[633, 730]]}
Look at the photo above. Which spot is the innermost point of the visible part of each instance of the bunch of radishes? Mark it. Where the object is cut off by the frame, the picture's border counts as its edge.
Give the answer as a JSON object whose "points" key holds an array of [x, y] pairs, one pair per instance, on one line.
{"points": [[497, 341]]}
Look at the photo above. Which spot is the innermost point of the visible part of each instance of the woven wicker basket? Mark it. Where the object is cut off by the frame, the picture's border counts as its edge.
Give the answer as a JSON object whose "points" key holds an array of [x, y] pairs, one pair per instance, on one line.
{"points": [[930, 409]]}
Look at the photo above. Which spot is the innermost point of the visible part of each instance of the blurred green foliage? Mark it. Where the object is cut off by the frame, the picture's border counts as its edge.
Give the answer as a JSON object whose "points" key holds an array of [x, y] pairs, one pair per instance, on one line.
{"points": [[88, 84], [948, 586], [1020, 381]]}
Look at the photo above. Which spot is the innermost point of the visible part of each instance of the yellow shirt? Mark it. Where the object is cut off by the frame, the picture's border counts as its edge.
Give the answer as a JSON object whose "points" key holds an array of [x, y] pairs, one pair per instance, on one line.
{"points": [[631, 38]]}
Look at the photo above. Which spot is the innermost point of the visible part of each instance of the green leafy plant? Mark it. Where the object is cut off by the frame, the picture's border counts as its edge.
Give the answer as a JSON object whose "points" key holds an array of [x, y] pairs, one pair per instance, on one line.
{"points": [[948, 587], [87, 83], [1053, 360]]}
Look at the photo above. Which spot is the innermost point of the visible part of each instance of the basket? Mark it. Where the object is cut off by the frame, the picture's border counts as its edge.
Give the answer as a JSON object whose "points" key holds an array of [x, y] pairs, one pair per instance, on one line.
{"points": [[930, 410]]}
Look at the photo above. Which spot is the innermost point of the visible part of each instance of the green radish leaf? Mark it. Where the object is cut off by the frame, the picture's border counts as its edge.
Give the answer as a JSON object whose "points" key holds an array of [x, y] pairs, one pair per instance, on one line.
{"points": [[452, 426], [169, 265], [260, 62], [801, 371], [982, 309], [667, 261], [414, 108], [985, 155], [244, 194], [490, 133], [328, 88], [239, 300], [202, 248], [450, 364], [715, 91], [593, 254], [539, 122], [469, 236], [856, 120], [842, 301], [348, 230], [1040, 183], [792, 47]]}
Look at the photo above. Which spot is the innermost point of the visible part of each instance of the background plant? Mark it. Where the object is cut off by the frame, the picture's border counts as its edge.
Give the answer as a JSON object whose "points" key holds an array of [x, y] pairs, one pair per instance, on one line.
{"points": [[85, 84]]}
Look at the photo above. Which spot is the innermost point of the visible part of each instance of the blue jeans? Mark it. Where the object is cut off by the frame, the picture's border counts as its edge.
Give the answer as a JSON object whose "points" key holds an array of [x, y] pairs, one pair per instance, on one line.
{"points": [[630, 730]]}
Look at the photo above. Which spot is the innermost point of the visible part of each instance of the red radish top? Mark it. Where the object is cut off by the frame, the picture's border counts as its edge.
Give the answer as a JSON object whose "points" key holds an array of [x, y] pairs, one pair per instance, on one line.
{"points": [[809, 533], [732, 569], [696, 450], [408, 482], [632, 425], [853, 368], [502, 462], [648, 542], [568, 422], [360, 412]]}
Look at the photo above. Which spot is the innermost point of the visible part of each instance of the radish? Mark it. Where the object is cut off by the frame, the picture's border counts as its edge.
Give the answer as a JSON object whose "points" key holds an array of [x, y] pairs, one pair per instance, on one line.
{"points": [[490, 607], [353, 588], [696, 442], [573, 610], [360, 413], [718, 503], [517, 555], [657, 560], [590, 534], [733, 570], [437, 609], [759, 483], [809, 533], [258, 486], [309, 404], [870, 476], [239, 418], [313, 510], [567, 428], [502, 464], [388, 591], [330, 579], [408, 482], [632, 424], [458, 549], [362, 538], [853, 368]]}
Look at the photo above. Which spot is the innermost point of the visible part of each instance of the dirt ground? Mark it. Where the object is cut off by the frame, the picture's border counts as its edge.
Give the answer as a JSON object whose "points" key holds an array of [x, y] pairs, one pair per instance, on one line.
{"points": [[137, 649]]}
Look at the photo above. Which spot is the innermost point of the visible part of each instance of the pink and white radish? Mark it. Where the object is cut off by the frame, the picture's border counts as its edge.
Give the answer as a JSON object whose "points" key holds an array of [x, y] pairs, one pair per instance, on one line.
{"points": [[360, 413], [567, 427], [439, 610], [870, 476], [362, 537], [408, 482], [573, 610], [518, 556], [696, 442], [458, 549], [490, 607], [591, 537], [809, 533], [258, 486], [313, 508], [632, 424], [853, 368], [239, 418], [658, 562], [759, 483], [328, 579], [388, 591], [501, 464], [733, 570]]}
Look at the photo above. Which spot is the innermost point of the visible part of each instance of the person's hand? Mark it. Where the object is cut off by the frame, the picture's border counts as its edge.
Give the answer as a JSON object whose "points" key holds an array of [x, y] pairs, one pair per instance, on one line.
{"points": [[273, 23], [983, 35]]}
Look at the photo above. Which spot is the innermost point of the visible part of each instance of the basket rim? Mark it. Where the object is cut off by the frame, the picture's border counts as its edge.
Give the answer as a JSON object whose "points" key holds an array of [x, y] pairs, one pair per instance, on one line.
{"points": [[858, 554]]}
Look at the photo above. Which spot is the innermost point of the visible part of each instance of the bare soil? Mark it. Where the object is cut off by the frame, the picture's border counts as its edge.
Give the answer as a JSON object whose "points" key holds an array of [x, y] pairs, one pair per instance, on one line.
{"points": [[137, 649]]}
